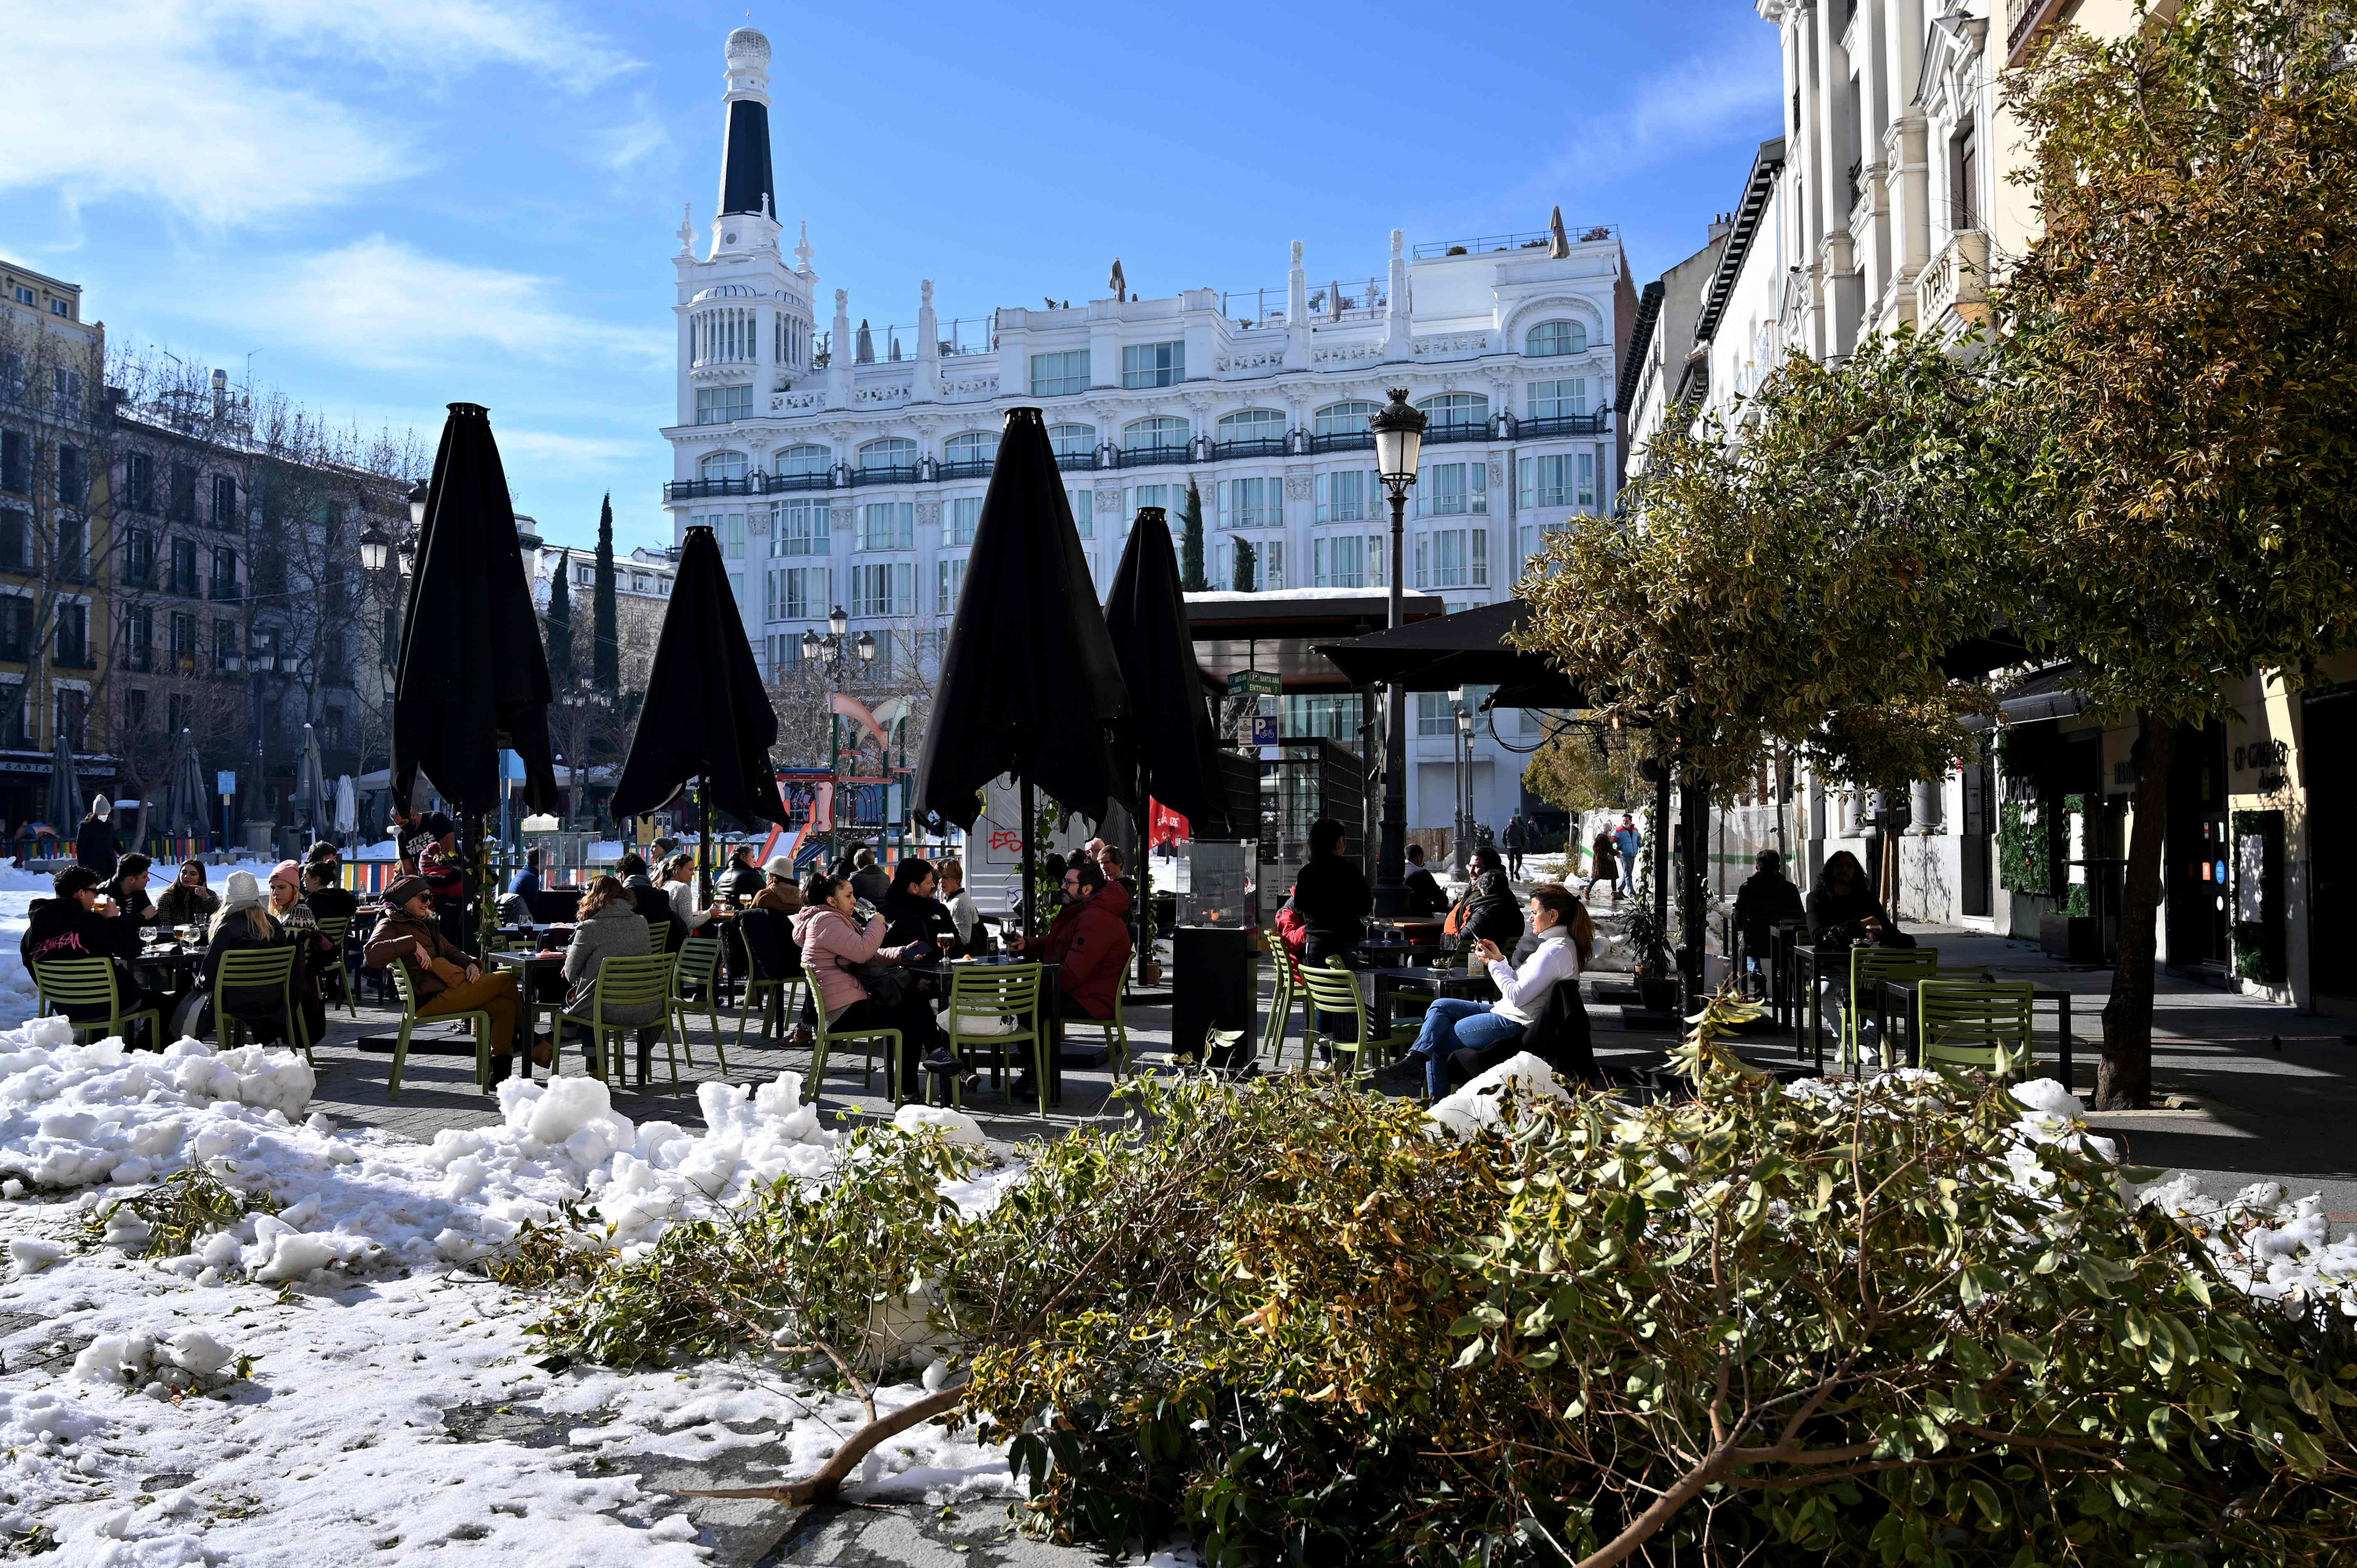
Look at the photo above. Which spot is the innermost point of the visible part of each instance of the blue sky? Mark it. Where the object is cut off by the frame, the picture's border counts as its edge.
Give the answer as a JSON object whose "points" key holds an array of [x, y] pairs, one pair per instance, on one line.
{"points": [[391, 207]]}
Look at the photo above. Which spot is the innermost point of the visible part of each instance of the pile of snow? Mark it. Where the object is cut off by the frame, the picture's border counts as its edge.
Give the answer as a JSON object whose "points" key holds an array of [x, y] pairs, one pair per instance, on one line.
{"points": [[2272, 1246], [1477, 1105]]}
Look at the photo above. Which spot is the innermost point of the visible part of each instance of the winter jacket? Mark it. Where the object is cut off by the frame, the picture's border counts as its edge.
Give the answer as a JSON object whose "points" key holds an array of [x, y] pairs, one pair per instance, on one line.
{"points": [[964, 916], [1089, 945], [333, 903], [910, 919], [181, 904], [741, 883], [1492, 910], [390, 944], [1331, 895], [686, 913], [1765, 897], [59, 929], [260, 1008], [1517, 834], [617, 930], [647, 899], [133, 908], [1424, 894], [96, 847], [446, 876], [783, 899], [872, 882], [829, 942]]}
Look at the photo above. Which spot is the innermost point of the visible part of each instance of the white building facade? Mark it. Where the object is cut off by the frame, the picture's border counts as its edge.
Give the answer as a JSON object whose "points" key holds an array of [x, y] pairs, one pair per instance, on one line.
{"points": [[842, 464]]}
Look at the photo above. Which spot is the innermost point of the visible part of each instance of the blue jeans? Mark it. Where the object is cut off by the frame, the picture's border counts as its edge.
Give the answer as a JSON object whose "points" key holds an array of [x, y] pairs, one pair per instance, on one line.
{"points": [[1627, 881], [1455, 1024]]}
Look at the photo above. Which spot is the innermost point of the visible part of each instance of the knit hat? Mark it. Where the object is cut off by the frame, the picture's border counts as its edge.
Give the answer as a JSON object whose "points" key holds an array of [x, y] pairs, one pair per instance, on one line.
{"points": [[398, 896], [781, 865], [72, 880], [290, 871], [241, 892], [99, 806]]}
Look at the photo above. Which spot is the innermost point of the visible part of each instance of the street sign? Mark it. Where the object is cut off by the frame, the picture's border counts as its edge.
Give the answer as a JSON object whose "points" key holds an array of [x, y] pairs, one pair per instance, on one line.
{"points": [[1254, 683], [1264, 729], [225, 782]]}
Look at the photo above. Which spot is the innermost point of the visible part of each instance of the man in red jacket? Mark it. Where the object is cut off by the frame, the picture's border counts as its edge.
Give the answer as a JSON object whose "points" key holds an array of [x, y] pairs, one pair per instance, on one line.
{"points": [[1089, 943]]}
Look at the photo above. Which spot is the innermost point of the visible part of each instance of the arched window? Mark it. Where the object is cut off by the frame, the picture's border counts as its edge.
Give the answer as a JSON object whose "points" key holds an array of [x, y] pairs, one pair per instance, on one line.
{"points": [[1343, 419], [722, 466], [1073, 440], [804, 459], [1251, 432], [1160, 434], [1456, 410], [969, 453], [892, 454], [1556, 337]]}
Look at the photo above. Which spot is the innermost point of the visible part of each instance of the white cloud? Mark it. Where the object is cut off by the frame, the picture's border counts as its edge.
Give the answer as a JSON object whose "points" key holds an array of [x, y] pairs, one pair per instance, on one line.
{"points": [[387, 306], [221, 111], [643, 137], [1700, 99], [551, 445]]}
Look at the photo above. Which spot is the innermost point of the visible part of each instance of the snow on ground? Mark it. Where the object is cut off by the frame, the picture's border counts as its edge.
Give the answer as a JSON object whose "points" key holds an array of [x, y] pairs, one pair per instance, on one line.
{"points": [[371, 1360]]}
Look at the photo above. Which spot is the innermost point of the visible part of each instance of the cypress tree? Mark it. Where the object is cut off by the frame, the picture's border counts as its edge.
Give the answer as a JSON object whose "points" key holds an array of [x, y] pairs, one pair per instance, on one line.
{"points": [[605, 613], [1190, 543], [559, 621], [1247, 561]]}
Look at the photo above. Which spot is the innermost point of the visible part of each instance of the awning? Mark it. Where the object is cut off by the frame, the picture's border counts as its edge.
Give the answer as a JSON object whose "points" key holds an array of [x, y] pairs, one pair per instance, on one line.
{"points": [[1468, 648], [1280, 630]]}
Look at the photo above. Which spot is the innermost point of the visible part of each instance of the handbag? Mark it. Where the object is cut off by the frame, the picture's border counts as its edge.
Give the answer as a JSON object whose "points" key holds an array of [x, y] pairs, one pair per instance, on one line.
{"points": [[887, 985]]}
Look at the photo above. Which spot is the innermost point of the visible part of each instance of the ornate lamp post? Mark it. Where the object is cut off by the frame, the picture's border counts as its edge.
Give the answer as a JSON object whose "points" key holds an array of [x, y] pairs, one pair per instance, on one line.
{"points": [[1398, 430], [1464, 749], [832, 647]]}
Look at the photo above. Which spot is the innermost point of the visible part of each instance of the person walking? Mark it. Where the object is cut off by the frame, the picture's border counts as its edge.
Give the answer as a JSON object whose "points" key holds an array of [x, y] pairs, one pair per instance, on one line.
{"points": [[1626, 842], [1515, 841], [96, 841], [1603, 863]]}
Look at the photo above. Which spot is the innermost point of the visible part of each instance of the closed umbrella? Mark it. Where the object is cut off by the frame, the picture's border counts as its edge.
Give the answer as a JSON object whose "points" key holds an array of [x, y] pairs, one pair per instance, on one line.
{"points": [[65, 784], [1029, 683], [472, 676], [313, 786], [187, 807], [705, 715], [348, 812]]}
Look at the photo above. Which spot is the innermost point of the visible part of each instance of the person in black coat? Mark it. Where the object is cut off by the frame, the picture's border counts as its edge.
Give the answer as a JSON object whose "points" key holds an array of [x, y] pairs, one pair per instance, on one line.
{"points": [[96, 844], [740, 879], [1424, 894], [79, 923], [647, 898], [1331, 896], [1766, 896], [1843, 910], [1489, 912], [243, 922], [911, 911], [128, 888]]}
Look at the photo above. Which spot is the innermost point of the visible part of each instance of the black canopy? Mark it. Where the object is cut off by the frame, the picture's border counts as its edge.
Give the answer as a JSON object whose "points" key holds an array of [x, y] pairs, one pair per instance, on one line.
{"points": [[472, 678], [1029, 685], [1468, 648], [1167, 740], [705, 712]]}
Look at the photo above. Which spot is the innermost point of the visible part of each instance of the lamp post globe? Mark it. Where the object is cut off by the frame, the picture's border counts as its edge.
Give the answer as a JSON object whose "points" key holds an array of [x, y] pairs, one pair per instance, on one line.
{"points": [[419, 495], [837, 622], [866, 648], [811, 645], [374, 544], [1398, 428]]}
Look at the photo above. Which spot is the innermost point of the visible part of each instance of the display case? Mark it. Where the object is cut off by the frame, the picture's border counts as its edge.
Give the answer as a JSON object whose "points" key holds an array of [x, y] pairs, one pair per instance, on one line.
{"points": [[1220, 893]]}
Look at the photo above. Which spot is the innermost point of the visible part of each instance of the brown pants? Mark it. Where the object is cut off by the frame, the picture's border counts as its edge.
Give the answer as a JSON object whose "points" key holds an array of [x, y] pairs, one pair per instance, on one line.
{"points": [[495, 994]]}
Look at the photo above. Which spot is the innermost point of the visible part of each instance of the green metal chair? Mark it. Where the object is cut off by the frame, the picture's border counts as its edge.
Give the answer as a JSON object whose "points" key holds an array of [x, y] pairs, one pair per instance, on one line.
{"points": [[1280, 1008], [659, 935], [480, 1018], [697, 964], [1335, 989], [1116, 1029], [776, 994], [336, 927], [256, 968], [826, 1039], [634, 981], [1868, 966], [997, 1005], [93, 982], [1983, 1024]]}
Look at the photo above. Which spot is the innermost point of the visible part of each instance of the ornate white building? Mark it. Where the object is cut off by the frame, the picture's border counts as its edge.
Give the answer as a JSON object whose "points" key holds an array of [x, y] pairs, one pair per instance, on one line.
{"points": [[844, 463]]}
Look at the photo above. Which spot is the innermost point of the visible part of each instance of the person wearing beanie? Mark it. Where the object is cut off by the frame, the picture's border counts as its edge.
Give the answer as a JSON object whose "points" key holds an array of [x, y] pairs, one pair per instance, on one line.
{"points": [[95, 844], [79, 923], [243, 922], [188, 901], [783, 894], [444, 978]]}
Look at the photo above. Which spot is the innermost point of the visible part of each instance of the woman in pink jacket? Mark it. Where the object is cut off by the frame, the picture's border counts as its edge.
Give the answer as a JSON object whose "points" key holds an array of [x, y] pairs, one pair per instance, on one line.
{"points": [[833, 940]]}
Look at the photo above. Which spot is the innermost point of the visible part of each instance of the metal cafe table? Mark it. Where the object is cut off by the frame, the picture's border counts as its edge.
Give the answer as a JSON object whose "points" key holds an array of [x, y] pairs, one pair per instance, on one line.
{"points": [[1445, 980]]}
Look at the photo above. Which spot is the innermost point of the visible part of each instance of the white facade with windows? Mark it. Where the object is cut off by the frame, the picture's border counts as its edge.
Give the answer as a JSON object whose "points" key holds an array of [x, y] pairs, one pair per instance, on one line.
{"points": [[857, 457]]}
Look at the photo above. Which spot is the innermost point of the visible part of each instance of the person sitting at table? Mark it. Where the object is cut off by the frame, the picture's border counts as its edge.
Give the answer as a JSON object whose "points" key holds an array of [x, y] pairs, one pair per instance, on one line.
{"points": [[444, 978], [607, 927], [1489, 911], [324, 891], [913, 913], [1332, 896], [1766, 896], [243, 922], [188, 901], [1567, 938], [782, 895], [128, 888], [1088, 944], [1424, 894], [740, 881], [645, 897], [959, 902], [79, 923], [1844, 912], [688, 913], [435, 848], [313, 953], [869, 878], [835, 942]]}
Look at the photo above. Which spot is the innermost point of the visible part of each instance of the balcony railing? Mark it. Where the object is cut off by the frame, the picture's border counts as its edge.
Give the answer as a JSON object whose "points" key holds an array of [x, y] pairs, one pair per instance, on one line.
{"points": [[1442, 434], [222, 588], [181, 582], [1144, 457], [886, 474], [755, 484], [1076, 462], [75, 656], [966, 469], [2029, 15], [141, 657], [1253, 447], [1344, 441], [1954, 280], [138, 574], [1562, 425]]}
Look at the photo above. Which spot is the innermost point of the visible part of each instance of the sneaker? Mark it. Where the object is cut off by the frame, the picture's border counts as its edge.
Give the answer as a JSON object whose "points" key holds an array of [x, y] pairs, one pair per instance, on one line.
{"points": [[1023, 1088]]}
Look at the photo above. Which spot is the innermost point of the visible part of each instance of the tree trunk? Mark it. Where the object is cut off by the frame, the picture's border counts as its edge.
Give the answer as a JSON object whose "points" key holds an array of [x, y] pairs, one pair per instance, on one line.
{"points": [[2123, 1081]]}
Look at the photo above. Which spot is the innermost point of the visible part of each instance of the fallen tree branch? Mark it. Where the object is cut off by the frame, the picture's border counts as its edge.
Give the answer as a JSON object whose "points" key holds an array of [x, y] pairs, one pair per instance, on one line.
{"points": [[829, 1479]]}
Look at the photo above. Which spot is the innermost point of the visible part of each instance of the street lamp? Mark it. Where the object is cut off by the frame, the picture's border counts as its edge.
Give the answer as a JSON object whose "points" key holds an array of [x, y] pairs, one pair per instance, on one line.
{"points": [[419, 495], [866, 647], [1398, 429], [837, 623], [375, 543], [1462, 747], [833, 647]]}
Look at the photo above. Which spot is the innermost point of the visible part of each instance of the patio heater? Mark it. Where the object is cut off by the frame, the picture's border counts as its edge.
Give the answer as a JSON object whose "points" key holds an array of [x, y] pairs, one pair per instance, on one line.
{"points": [[1398, 428]]}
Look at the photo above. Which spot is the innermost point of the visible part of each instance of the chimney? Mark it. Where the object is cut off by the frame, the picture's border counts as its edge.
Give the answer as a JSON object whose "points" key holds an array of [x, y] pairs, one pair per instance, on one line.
{"points": [[1722, 224], [220, 393]]}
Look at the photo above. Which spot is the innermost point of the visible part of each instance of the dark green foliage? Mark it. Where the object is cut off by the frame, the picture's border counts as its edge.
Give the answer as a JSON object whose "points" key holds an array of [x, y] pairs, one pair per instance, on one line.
{"points": [[1247, 577], [1190, 543], [558, 621], [183, 1209], [605, 614]]}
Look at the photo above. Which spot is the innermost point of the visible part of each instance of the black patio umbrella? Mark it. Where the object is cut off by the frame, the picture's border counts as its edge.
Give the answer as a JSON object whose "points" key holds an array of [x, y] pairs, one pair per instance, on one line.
{"points": [[1029, 685], [472, 678], [1166, 743], [1468, 648], [66, 801], [705, 715], [188, 803]]}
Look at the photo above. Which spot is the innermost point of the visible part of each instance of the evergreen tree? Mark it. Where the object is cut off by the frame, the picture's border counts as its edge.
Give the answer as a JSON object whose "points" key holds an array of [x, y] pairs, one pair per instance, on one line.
{"points": [[559, 622], [1247, 560], [1190, 543], [605, 613]]}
